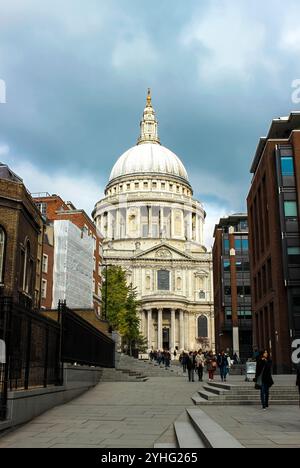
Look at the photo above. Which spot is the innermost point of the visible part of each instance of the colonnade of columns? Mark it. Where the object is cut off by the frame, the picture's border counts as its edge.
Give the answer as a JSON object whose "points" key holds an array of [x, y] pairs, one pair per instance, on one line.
{"points": [[114, 224], [175, 319]]}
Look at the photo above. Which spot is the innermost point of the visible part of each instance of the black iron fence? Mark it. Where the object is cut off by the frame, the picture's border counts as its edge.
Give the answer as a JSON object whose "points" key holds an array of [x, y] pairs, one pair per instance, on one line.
{"points": [[32, 350], [82, 343], [37, 347]]}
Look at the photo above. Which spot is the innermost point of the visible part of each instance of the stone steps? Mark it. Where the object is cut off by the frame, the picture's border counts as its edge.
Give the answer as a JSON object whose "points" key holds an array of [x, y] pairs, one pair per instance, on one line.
{"points": [[121, 375], [226, 394], [194, 429], [250, 392], [187, 436], [146, 368], [211, 434]]}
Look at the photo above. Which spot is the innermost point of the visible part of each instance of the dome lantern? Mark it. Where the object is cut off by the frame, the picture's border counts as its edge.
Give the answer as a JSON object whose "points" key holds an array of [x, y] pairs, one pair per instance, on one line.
{"points": [[149, 124]]}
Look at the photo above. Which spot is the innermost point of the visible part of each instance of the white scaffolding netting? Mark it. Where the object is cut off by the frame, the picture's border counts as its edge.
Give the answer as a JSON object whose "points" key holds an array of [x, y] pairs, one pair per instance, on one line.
{"points": [[73, 266]]}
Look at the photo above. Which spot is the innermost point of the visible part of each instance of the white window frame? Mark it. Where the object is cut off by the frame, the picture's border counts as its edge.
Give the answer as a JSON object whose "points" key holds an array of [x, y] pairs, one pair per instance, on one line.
{"points": [[45, 263], [44, 288]]}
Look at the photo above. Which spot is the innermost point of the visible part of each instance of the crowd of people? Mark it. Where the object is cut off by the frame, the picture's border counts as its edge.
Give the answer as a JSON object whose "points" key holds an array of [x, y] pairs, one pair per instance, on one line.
{"points": [[162, 357], [198, 361]]}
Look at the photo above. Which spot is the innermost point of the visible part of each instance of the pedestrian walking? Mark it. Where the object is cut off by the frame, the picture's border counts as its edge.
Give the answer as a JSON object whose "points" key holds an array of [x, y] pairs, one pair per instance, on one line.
{"points": [[211, 364], [263, 378], [191, 366], [236, 359], [200, 362], [184, 361], [222, 361], [167, 358], [229, 364]]}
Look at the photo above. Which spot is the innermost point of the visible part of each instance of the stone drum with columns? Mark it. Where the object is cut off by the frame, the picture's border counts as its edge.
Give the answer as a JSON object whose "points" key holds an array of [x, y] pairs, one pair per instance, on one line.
{"points": [[153, 229]]}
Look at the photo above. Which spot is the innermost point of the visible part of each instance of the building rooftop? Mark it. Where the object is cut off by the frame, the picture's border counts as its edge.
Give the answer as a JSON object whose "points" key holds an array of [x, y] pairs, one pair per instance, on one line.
{"points": [[8, 174], [281, 129], [230, 220]]}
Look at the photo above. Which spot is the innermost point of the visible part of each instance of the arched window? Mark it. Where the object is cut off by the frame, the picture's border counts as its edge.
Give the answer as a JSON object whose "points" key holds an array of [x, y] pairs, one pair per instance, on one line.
{"points": [[202, 327], [2, 252]]}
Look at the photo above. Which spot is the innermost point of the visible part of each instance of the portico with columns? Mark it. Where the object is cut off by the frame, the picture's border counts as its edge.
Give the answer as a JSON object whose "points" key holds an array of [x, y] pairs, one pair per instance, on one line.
{"points": [[170, 329]]}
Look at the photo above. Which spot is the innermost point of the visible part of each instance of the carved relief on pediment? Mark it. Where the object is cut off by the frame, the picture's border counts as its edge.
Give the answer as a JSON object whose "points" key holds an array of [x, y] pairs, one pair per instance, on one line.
{"points": [[163, 253]]}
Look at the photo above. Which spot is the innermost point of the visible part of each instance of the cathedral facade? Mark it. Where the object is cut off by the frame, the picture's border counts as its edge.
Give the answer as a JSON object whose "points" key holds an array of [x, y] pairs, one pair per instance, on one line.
{"points": [[154, 229]]}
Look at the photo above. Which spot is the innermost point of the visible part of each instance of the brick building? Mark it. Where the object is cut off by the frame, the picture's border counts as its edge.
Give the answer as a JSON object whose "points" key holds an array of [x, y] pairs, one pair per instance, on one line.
{"points": [[55, 209], [232, 292], [21, 241], [274, 234]]}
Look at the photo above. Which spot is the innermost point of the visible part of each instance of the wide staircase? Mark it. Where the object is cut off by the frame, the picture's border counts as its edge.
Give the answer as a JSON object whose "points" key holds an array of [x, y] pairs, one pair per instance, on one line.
{"points": [[223, 394], [129, 369]]}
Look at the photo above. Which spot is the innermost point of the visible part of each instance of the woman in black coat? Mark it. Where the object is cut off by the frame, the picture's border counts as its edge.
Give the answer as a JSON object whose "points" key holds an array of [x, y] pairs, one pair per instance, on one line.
{"points": [[191, 366], [264, 378]]}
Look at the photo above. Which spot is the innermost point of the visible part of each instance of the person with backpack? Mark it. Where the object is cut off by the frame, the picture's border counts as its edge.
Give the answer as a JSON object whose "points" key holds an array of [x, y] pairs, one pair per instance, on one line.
{"points": [[263, 378]]}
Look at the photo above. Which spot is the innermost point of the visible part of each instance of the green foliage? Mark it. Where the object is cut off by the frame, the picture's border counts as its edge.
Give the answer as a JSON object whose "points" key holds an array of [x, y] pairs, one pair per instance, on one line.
{"points": [[123, 308], [141, 343], [117, 292]]}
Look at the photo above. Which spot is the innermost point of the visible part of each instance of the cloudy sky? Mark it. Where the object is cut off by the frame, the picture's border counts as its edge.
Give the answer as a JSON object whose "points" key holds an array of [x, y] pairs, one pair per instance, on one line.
{"points": [[77, 72]]}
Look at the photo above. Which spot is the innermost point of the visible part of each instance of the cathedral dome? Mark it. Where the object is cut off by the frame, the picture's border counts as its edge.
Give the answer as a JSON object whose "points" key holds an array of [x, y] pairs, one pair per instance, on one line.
{"points": [[149, 158]]}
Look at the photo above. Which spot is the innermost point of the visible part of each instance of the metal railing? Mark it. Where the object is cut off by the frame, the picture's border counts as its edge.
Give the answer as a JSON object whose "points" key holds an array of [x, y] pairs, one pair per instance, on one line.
{"points": [[32, 350], [83, 344], [37, 347]]}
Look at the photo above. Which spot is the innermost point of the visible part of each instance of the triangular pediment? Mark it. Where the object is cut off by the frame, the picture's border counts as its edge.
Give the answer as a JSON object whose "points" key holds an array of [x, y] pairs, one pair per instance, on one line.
{"points": [[163, 252]]}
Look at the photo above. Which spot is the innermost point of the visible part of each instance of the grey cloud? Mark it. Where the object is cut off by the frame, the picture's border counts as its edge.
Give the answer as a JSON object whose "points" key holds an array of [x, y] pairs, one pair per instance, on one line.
{"points": [[77, 75]]}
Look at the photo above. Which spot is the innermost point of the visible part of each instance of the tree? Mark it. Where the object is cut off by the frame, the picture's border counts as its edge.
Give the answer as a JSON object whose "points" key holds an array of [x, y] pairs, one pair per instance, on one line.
{"points": [[122, 308], [141, 344], [129, 320], [117, 292]]}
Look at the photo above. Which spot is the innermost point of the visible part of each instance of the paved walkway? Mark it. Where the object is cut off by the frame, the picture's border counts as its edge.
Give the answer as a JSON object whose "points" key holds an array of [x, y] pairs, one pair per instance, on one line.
{"points": [[137, 414], [279, 427], [113, 415]]}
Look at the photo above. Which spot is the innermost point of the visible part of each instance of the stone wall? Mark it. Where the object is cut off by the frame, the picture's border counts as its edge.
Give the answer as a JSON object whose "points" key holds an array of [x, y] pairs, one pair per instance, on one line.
{"points": [[23, 406]]}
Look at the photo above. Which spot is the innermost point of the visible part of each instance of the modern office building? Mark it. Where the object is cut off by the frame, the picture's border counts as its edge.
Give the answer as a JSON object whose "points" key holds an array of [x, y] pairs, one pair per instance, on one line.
{"points": [[274, 234], [232, 291]]}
